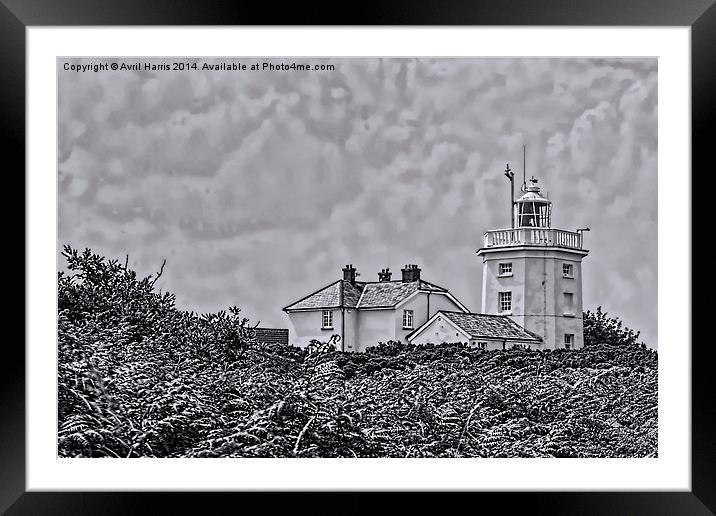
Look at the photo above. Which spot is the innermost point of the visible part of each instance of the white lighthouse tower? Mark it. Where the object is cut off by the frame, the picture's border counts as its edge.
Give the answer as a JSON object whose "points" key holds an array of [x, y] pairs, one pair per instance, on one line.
{"points": [[533, 272]]}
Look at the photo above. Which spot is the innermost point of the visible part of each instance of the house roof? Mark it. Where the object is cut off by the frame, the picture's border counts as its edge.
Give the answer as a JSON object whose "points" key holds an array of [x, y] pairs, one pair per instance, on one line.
{"points": [[379, 294], [272, 335], [484, 326], [330, 297], [390, 293]]}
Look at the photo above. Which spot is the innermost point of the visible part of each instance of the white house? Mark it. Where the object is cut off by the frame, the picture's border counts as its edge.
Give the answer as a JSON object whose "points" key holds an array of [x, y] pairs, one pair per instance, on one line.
{"points": [[476, 330], [365, 313]]}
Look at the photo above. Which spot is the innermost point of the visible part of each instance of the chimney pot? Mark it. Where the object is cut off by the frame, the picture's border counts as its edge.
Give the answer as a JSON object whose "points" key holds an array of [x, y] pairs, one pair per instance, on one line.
{"points": [[349, 273], [384, 275], [411, 272]]}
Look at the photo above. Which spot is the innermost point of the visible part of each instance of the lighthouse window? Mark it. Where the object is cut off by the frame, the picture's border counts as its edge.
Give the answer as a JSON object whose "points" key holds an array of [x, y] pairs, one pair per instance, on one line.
{"points": [[506, 269], [532, 214], [528, 217], [568, 303], [505, 302], [568, 340], [568, 270]]}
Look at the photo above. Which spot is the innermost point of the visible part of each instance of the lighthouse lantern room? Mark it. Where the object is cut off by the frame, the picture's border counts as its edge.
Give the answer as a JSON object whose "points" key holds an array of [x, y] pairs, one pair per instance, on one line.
{"points": [[532, 209]]}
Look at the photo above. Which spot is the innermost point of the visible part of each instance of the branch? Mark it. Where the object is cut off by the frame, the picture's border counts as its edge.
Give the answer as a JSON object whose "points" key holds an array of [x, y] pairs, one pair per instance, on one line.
{"points": [[161, 270]]}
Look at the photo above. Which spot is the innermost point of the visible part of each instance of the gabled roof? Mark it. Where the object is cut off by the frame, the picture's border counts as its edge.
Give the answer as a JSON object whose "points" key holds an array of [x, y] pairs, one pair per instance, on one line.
{"points": [[379, 294], [330, 296], [483, 326]]}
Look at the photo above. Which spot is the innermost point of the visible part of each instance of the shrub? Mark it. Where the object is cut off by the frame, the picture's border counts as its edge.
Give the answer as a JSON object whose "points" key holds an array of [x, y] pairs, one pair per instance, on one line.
{"points": [[599, 328]]}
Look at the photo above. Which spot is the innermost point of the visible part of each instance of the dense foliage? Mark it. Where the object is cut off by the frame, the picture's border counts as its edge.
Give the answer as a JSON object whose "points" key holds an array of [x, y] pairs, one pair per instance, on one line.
{"points": [[137, 377], [599, 328]]}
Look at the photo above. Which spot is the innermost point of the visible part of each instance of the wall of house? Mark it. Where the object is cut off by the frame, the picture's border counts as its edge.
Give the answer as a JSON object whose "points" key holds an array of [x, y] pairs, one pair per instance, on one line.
{"points": [[306, 326], [440, 331], [538, 286], [374, 326], [351, 330], [419, 305], [438, 302]]}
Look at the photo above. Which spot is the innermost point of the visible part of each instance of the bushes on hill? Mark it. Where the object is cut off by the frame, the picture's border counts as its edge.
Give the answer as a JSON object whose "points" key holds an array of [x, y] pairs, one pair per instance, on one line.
{"points": [[138, 377]]}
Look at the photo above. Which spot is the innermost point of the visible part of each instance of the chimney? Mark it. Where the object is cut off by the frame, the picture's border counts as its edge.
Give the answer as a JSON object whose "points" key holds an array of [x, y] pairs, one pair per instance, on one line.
{"points": [[349, 273], [411, 273], [384, 275]]}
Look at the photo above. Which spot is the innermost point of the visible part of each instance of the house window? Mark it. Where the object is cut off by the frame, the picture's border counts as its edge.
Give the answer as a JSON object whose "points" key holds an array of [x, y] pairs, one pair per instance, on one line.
{"points": [[568, 340], [568, 270], [506, 269], [569, 303], [327, 320], [408, 319], [505, 302], [481, 345]]}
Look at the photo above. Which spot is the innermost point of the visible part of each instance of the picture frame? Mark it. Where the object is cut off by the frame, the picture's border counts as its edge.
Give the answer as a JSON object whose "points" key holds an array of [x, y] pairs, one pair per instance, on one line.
{"points": [[17, 15]]}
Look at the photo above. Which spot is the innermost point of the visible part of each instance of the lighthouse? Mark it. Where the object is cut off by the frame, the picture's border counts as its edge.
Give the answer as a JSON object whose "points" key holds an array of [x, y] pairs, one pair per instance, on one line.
{"points": [[532, 272]]}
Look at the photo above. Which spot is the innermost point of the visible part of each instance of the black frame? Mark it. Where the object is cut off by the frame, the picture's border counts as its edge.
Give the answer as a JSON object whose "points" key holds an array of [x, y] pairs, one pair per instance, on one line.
{"points": [[16, 15]]}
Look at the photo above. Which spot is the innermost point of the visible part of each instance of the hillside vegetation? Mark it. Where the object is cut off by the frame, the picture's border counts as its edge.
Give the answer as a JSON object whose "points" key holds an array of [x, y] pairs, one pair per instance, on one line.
{"points": [[138, 377]]}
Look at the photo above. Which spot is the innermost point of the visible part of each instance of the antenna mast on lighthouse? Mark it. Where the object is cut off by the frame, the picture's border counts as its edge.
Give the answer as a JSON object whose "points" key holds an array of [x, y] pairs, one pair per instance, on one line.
{"points": [[524, 168], [511, 176]]}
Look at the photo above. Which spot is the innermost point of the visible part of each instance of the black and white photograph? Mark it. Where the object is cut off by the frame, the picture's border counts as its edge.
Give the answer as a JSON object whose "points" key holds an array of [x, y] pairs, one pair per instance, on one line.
{"points": [[357, 257]]}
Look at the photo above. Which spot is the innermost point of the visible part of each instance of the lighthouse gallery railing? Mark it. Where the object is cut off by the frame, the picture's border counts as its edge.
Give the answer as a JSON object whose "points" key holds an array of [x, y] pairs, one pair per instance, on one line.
{"points": [[533, 236]]}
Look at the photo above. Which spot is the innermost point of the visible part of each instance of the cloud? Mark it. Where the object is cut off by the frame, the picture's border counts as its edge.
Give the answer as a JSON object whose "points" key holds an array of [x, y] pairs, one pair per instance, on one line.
{"points": [[257, 187]]}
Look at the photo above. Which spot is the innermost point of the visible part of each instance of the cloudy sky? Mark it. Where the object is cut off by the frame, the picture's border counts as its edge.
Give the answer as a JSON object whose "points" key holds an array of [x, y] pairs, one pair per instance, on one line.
{"points": [[258, 186]]}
